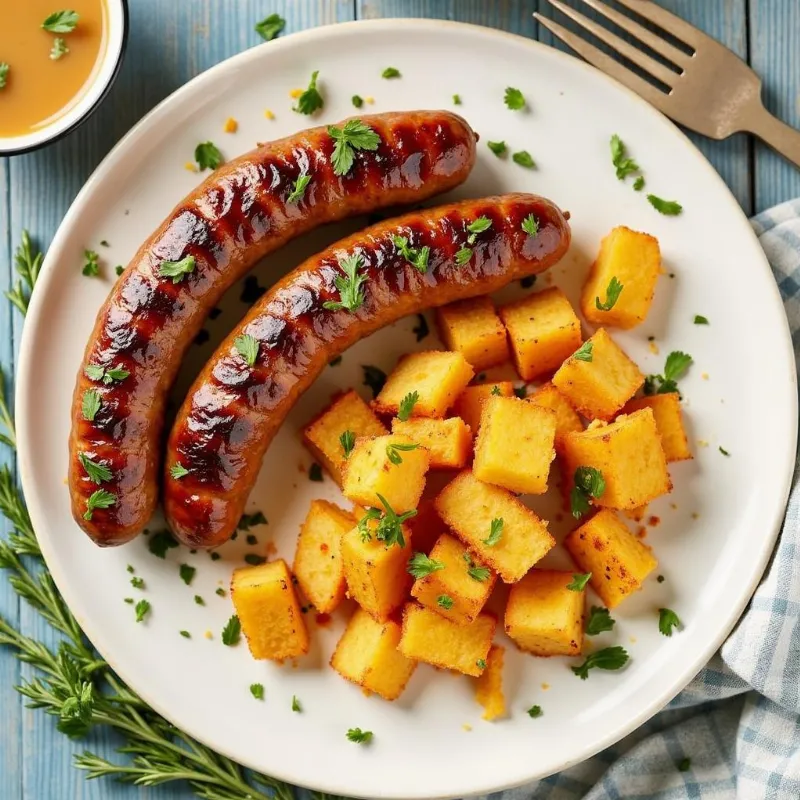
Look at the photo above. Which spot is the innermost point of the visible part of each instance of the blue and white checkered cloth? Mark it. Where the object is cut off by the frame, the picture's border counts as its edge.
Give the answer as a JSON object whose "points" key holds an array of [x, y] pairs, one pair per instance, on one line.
{"points": [[739, 720]]}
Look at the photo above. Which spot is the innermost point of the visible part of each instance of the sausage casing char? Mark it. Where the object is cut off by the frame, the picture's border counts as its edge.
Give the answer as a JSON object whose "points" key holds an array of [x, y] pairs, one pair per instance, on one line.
{"points": [[233, 410], [237, 216]]}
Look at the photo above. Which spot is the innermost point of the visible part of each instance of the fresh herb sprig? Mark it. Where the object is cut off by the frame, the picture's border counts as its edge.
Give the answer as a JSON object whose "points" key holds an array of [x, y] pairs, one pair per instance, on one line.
{"points": [[589, 484], [270, 27], [407, 406], [28, 263], [609, 658], [355, 135], [389, 528], [416, 256], [420, 565], [674, 368], [310, 100], [350, 285]]}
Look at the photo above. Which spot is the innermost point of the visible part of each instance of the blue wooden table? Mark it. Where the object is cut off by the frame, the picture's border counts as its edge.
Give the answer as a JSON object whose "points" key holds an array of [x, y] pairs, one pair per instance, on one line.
{"points": [[170, 42]]}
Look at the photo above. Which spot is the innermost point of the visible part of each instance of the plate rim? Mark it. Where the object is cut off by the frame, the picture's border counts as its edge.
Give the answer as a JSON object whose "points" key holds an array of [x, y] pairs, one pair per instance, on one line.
{"points": [[143, 127]]}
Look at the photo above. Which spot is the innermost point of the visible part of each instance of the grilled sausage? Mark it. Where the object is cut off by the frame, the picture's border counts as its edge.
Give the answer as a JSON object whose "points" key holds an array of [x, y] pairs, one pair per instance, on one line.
{"points": [[233, 410], [237, 216]]}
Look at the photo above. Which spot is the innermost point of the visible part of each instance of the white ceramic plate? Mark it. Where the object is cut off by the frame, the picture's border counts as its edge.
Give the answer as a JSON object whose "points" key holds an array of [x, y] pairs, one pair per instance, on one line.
{"points": [[713, 543]]}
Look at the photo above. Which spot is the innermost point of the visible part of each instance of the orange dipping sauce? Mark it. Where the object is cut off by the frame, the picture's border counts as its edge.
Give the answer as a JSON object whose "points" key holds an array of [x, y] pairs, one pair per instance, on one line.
{"points": [[39, 89]]}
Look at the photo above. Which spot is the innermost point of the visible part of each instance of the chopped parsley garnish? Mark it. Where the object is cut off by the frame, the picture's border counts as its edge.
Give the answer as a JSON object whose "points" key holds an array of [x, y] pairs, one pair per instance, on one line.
{"points": [[528, 282], [252, 539], [584, 352], [374, 378], [348, 441], [475, 572], [128, 600], [350, 288], [299, 188], [684, 765], [214, 556], [270, 27], [254, 560], [249, 520], [524, 159], [622, 163], [178, 471], [96, 472], [137, 582], [99, 499], [4, 68], [444, 601], [358, 736], [177, 270], [610, 658], [185, 634], [61, 22], [232, 632], [674, 367], [420, 565], [357, 101], [514, 99], [496, 391], [207, 156], [199, 600], [498, 148], [107, 376], [59, 49], [296, 707], [660, 579], [219, 591], [481, 663], [638, 184], [463, 255], [407, 406], [667, 620], [530, 225], [667, 207], [90, 404], [334, 362], [187, 573], [91, 267], [521, 391], [699, 319], [535, 711], [589, 483], [393, 451], [119, 269], [388, 530], [310, 100], [495, 528], [416, 256], [160, 542], [315, 473], [613, 291], [247, 347], [579, 581], [421, 329], [257, 690], [130, 568], [599, 620], [723, 451], [142, 610], [355, 135], [391, 72], [456, 99]]}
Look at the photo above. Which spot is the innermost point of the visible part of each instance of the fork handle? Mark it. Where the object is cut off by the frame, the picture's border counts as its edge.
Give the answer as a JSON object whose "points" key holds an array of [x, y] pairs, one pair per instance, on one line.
{"points": [[777, 134]]}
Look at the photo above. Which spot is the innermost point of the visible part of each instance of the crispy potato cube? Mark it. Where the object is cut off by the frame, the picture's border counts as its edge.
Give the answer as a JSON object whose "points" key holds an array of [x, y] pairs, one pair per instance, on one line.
{"points": [[634, 259], [618, 561], [431, 638], [543, 329], [367, 655], [372, 470], [426, 527], [317, 559], [468, 506], [469, 404], [376, 574], [472, 328], [438, 377], [266, 603], [567, 419], [543, 617], [462, 596], [599, 388], [515, 445], [348, 412], [669, 421], [489, 686], [629, 455], [448, 441]]}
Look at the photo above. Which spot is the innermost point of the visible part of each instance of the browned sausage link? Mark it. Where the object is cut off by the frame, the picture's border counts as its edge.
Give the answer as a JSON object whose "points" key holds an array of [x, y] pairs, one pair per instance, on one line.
{"points": [[237, 216], [233, 410]]}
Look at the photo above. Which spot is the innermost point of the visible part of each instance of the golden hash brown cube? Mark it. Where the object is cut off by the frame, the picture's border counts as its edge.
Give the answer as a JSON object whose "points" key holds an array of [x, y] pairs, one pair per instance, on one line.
{"points": [[470, 402], [376, 574], [634, 259], [599, 379], [669, 421], [618, 561], [489, 686], [266, 603], [367, 655], [392, 466], [469, 506], [628, 453], [472, 328], [426, 527], [438, 378], [452, 591], [448, 441], [429, 637], [348, 412], [543, 329], [543, 616], [514, 448], [318, 559], [567, 419]]}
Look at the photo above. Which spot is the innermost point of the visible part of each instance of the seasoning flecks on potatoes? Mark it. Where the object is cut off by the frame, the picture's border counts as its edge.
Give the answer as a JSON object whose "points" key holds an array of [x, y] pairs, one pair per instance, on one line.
{"points": [[448, 441]]}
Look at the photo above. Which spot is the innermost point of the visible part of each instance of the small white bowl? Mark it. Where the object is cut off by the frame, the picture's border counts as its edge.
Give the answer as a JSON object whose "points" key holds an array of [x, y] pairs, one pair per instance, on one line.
{"points": [[92, 97]]}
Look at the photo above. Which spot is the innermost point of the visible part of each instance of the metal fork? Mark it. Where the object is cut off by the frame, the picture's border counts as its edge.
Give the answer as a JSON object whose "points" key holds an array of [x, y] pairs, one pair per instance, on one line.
{"points": [[711, 91]]}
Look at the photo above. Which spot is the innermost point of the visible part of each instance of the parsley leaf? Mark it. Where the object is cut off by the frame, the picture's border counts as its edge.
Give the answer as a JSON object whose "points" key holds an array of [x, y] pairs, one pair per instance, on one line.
{"points": [[374, 378], [388, 530], [92, 266], [187, 573], [4, 68], [350, 287], [475, 572], [684, 765], [310, 100], [296, 707], [178, 471], [393, 451], [96, 373], [391, 72], [142, 610], [589, 483], [444, 601], [613, 291], [232, 632], [160, 542], [638, 184], [257, 690], [96, 472], [463, 255], [498, 148], [667, 620], [348, 441], [481, 663], [59, 49], [667, 207], [421, 329], [530, 225], [420, 565], [249, 520], [61, 22], [495, 529], [535, 711], [417, 257], [723, 451], [176, 270], [479, 226], [514, 99], [355, 135], [674, 368], [456, 99], [270, 27], [358, 736], [137, 582], [315, 473], [584, 352], [521, 391], [357, 101], [299, 188], [99, 499], [207, 156], [625, 166], [524, 159], [90, 404], [247, 347], [610, 658], [578, 583], [599, 620], [407, 406], [199, 600], [699, 319]]}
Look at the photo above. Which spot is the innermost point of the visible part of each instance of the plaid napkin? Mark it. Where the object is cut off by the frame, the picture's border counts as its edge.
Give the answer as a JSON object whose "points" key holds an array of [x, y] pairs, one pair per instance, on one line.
{"points": [[739, 720]]}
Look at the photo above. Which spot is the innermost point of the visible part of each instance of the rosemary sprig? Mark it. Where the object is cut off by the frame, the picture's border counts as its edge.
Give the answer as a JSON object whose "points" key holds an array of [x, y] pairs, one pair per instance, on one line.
{"points": [[28, 261]]}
